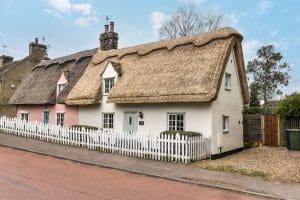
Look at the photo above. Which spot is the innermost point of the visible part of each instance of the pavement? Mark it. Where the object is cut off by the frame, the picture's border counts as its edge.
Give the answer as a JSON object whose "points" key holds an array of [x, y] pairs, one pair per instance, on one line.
{"points": [[166, 170]]}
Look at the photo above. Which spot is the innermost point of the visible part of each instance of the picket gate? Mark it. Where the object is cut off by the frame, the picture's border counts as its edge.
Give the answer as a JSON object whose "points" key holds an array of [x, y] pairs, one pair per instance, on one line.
{"points": [[164, 147]]}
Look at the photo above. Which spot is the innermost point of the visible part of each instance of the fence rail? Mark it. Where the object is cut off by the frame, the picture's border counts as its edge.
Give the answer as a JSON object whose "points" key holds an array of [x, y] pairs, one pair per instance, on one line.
{"points": [[165, 147]]}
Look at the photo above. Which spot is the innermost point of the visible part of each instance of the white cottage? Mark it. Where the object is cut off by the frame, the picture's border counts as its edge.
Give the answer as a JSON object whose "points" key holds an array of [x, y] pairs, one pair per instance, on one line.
{"points": [[194, 83]]}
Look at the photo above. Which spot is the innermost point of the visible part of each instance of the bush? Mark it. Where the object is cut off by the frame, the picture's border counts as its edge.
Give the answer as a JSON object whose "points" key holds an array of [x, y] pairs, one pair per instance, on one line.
{"points": [[188, 133], [84, 126], [257, 110], [290, 106]]}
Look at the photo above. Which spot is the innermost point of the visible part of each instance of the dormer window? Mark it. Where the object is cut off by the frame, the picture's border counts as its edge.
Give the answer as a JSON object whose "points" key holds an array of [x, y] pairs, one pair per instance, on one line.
{"points": [[108, 84], [60, 87]]}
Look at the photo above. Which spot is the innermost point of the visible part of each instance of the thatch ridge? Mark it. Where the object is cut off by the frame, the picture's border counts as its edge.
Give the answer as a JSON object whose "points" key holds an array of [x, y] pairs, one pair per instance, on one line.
{"points": [[186, 69]]}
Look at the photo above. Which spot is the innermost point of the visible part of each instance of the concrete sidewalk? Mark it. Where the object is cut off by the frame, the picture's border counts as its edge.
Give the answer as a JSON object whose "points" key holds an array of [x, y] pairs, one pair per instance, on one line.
{"points": [[172, 171]]}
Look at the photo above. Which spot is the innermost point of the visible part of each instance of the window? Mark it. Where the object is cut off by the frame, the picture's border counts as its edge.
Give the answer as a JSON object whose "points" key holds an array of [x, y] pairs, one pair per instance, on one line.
{"points": [[108, 120], [225, 123], [176, 121], [60, 118], [227, 81], [108, 84], [24, 116], [60, 87]]}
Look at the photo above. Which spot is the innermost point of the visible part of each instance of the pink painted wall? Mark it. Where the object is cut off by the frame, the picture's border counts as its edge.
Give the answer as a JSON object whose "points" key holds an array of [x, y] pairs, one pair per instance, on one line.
{"points": [[36, 113]]}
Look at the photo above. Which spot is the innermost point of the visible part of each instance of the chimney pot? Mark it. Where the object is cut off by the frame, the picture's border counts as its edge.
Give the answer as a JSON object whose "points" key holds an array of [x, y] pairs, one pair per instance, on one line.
{"points": [[106, 28], [112, 27]]}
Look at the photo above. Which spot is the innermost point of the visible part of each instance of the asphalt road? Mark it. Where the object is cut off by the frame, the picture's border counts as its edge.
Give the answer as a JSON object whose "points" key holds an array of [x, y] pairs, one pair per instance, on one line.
{"points": [[25, 175]]}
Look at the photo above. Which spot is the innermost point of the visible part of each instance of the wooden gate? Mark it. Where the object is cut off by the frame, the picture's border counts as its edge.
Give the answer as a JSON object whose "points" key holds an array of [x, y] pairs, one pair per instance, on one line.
{"points": [[271, 130]]}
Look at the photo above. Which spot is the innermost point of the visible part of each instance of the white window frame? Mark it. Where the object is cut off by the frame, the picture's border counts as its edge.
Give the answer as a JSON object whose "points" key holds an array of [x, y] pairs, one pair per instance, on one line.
{"points": [[23, 114], [227, 81], [225, 123], [175, 127], [107, 86], [61, 122], [60, 87], [108, 120]]}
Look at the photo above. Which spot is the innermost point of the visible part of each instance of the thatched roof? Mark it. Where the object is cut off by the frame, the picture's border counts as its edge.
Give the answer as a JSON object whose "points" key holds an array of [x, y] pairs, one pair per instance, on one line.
{"points": [[186, 69], [40, 85]]}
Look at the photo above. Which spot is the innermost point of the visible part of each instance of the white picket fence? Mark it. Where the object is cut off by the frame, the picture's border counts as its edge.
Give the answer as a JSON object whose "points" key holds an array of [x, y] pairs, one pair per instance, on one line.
{"points": [[165, 147]]}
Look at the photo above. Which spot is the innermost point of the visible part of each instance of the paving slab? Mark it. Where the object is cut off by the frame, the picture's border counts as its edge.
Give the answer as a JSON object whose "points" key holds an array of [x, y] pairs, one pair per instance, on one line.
{"points": [[173, 171]]}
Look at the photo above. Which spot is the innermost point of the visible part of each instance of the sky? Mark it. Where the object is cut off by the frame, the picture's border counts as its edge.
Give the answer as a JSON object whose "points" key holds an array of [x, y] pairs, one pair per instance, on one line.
{"points": [[70, 26]]}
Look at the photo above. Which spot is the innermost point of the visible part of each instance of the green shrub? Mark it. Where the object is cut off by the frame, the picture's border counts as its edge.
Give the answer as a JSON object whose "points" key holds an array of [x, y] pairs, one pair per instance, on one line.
{"points": [[188, 133], [257, 110], [84, 126], [290, 106]]}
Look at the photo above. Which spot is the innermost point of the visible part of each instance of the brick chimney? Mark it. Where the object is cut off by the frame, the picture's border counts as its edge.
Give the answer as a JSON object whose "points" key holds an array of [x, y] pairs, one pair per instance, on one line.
{"points": [[37, 50], [5, 59], [109, 39]]}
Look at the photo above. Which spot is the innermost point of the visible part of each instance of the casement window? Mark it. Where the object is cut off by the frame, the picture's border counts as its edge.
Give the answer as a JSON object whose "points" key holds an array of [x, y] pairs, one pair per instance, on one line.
{"points": [[225, 124], [24, 116], [108, 84], [108, 120], [60, 119], [60, 87], [175, 121], [227, 81]]}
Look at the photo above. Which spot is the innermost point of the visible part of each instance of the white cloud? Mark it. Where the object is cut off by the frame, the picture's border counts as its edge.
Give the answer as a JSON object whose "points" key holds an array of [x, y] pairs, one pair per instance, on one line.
{"points": [[65, 6], [85, 8], [157, 18], [250, 48], [86, 21], [60, 5], [263, 6]]}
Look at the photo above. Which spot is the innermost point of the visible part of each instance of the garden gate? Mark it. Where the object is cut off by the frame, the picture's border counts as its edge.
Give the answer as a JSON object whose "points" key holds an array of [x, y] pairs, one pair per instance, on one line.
{"points": [[271, 130]]}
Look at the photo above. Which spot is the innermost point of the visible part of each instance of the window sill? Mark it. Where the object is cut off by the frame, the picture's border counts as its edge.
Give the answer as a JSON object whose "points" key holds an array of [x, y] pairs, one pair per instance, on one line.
{"points": [[228, 89], [225, 131]]}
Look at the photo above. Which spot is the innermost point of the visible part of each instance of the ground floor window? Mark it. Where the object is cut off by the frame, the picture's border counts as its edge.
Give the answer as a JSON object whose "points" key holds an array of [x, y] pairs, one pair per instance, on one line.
{"points": [[24, 116], [60, 119], [108, 120], [225, 123], [176, 121]]}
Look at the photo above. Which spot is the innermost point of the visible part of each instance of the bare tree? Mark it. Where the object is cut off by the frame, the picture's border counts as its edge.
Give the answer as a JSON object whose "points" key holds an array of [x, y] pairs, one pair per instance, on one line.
{"points": [[189, 20]]}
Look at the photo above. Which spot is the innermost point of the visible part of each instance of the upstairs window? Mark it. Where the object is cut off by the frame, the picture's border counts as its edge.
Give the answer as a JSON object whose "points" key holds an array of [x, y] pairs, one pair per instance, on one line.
{"points": [[108, 84], [108, 120], [176, 121], [60, 87], [227, 81], [24, 116]]}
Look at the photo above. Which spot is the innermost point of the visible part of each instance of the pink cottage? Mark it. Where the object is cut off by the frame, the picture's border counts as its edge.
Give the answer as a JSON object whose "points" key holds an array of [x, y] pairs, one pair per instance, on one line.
{"points": [[41, 96]]}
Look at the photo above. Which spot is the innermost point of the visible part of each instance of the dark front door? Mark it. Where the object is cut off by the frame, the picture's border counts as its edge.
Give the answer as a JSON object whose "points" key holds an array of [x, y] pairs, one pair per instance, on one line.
{"points": [[46, 117]]}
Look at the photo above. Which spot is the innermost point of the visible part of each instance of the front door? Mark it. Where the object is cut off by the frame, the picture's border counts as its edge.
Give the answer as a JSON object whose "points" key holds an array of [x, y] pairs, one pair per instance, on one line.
{"points": [[46, 117], [130, 121]]}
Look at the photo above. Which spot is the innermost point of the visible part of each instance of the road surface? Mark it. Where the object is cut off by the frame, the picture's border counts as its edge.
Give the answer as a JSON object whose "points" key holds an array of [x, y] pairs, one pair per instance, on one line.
{"points": [[25, 175]]}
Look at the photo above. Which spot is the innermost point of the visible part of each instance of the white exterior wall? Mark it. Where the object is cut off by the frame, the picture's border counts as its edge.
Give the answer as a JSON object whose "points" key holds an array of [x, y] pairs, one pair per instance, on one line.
{"points": [[230, 103], [197, 116]]}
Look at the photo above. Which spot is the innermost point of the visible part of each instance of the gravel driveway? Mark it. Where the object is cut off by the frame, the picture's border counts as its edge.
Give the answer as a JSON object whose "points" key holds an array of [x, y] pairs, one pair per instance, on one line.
{"points": [[271, 163]]}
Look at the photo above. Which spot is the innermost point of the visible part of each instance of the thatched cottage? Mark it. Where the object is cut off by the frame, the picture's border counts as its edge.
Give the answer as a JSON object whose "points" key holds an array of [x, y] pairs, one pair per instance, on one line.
{"points": [[13, 72], [41, 96], [194, 83]]}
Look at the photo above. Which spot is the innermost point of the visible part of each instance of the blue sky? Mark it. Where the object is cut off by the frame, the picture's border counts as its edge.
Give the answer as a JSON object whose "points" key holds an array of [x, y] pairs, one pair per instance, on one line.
{"points": [[75, 25]]}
